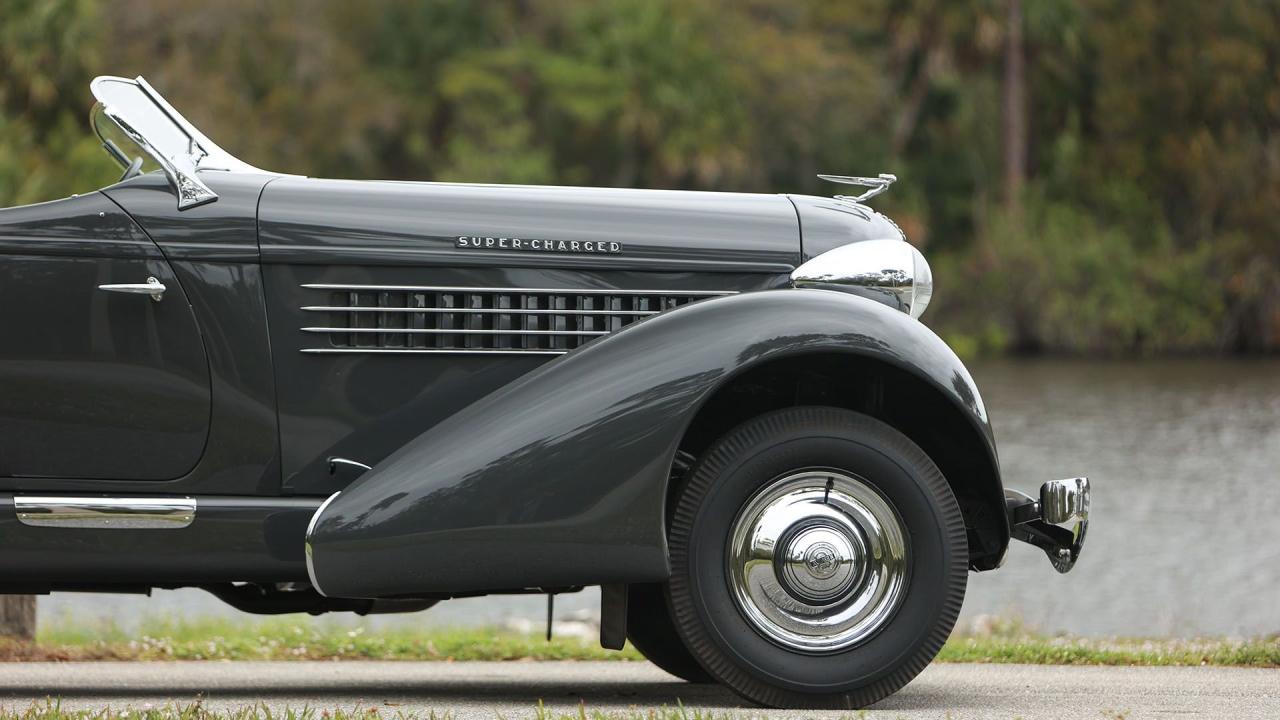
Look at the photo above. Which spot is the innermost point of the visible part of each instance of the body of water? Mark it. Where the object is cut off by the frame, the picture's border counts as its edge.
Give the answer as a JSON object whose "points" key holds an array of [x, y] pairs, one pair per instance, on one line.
{"points": [[1185, 534]]}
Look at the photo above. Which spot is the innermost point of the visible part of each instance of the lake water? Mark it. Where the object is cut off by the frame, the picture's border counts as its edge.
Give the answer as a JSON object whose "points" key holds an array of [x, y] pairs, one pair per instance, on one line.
{"points": [[1184, 457]]}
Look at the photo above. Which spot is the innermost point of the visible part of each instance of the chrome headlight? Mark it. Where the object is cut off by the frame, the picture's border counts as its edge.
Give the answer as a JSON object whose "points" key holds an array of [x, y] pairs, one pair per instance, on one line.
{"points": [[889, 271]]}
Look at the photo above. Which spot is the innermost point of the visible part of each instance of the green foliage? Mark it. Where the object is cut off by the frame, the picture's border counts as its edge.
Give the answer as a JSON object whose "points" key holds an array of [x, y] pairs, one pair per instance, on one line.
{"points": [[1055, 277], [1147, 222]]}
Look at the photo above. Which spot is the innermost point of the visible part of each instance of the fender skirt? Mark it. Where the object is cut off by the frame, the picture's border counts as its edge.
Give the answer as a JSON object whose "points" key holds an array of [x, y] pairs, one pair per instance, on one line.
{"points": [[559, 479]]}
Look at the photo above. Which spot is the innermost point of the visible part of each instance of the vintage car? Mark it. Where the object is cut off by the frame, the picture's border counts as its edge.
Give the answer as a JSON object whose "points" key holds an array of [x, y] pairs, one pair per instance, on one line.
{"points": [[307, 395]]}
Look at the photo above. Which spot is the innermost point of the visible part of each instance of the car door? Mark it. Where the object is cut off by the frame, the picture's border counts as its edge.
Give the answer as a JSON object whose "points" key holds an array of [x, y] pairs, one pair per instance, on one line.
{"points": [[103, 374]]}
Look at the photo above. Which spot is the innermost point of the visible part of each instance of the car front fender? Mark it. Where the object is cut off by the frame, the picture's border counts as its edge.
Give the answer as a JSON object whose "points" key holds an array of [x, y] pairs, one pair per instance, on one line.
{"points": [[559, 479]]}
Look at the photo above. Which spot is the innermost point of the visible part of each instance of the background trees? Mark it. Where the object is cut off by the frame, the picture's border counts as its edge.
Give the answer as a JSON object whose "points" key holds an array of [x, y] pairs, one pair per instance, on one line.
{"points": [[1102, 179]]}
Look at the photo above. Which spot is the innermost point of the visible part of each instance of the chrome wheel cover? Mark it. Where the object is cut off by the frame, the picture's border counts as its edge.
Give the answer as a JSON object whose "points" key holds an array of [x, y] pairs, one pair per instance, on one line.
{"points": [[817, 561]]}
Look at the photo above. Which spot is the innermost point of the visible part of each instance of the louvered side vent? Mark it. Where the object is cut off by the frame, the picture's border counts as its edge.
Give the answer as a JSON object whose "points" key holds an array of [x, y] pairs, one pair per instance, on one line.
{"points": [[466, 320]]}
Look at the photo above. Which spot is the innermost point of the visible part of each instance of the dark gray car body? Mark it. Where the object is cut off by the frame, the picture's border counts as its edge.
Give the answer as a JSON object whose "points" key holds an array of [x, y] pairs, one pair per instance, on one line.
{"points": [[496, 467]]}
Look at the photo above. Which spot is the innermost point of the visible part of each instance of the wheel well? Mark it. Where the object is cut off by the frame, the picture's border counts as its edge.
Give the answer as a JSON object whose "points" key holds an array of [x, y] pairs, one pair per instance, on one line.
{"points": [[904, 401]]}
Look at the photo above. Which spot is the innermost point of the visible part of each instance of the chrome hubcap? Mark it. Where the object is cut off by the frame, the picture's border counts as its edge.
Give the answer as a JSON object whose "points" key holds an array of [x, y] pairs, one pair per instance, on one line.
{"points": [[817, 561]]}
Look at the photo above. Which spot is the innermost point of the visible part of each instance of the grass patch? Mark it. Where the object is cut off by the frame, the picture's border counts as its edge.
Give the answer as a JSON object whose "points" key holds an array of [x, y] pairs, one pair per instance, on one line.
{"points": [[1078, 651], [295, 639], [1006, 641]]}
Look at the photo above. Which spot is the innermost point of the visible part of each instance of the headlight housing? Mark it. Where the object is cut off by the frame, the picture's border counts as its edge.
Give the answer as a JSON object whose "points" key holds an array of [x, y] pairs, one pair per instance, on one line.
{"points": [[889, 271]]}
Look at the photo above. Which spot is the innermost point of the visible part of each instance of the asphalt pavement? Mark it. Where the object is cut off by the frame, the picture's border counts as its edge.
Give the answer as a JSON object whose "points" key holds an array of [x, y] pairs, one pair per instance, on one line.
{"points": [[513, 689]]}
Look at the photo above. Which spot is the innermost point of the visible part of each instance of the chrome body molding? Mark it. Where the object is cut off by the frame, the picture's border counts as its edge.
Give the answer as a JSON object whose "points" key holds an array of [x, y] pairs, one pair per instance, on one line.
{"points": [[334, 462], [892, 272], [105, 513], [311, 527]]}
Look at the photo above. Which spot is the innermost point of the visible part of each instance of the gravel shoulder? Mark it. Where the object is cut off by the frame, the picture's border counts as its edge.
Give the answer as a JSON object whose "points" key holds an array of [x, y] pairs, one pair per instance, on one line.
{"points": [[513, 689]]}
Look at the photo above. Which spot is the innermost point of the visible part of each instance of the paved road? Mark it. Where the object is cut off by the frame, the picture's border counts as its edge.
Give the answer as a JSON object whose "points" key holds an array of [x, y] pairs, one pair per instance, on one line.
{"points": [[482, 690]]}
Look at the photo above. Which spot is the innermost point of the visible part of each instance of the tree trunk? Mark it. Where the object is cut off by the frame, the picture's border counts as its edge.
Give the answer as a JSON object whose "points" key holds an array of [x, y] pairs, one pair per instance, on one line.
{"points": [[18, 616], [1015, 108]]}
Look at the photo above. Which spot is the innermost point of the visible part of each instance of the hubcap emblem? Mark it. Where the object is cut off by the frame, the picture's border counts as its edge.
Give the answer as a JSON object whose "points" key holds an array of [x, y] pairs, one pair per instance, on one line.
{"points": [[821, 560]]}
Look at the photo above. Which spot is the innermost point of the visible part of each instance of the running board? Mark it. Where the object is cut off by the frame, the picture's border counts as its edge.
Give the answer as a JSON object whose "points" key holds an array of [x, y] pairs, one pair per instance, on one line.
{"points": [[105, 513]]}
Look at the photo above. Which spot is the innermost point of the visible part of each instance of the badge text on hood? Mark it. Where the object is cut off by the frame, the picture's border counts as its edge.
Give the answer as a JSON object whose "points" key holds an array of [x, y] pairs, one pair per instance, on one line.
{"points": [[471, 242]]}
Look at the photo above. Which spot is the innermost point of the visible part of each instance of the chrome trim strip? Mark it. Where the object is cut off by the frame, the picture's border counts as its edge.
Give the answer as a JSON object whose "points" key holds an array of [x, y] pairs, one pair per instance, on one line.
{"points": [[430, 351], [311, 526], [334, 462], [446, 331], [475, 311], [105, 513], [516, 291]]}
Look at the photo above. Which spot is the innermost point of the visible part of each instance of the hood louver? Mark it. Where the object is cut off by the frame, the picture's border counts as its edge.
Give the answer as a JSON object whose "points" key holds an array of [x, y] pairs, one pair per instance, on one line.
{"points": [[468, 320]]}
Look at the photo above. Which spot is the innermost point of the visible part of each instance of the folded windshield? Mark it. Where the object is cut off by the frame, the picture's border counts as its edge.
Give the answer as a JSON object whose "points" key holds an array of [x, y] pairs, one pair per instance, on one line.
{"points": [[142, 131], [122, 148]]}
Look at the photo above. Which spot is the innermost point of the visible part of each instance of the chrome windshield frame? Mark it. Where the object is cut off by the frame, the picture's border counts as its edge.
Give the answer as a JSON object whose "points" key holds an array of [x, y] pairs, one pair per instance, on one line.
{"points": [[180, 164]]}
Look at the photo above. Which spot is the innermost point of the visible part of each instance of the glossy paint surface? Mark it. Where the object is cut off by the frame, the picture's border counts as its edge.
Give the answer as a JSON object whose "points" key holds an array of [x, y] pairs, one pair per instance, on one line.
{"points": [[213, 252], [308, 221], [492, 472], [232, 539], [827, 223], [559, 478], [95, 384], [365, 406]]}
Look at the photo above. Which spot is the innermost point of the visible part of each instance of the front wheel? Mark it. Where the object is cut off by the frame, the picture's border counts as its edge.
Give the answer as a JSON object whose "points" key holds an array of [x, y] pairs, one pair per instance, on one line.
{"points": [[818, 559]]}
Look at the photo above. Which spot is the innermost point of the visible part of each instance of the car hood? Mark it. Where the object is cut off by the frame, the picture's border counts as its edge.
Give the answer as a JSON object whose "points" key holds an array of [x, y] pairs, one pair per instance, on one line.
{"points": [[378, 222]]}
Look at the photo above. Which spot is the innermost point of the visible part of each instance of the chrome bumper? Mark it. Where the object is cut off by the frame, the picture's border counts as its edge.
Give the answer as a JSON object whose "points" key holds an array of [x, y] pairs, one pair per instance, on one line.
{"points": [[1056, 523]]}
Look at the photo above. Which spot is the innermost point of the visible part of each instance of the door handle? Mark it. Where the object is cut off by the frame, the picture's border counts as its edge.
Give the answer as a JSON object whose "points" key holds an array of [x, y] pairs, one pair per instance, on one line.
{"points": [[152, 287]]}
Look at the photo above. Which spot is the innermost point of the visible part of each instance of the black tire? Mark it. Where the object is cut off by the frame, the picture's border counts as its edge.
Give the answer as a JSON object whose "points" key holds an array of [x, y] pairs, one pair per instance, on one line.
{"points": [[652, 632], [933, 569]]}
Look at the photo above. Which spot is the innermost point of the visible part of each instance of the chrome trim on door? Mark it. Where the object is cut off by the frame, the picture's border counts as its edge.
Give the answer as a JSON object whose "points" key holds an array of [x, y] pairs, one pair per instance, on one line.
{"points": [[107, 513]]}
